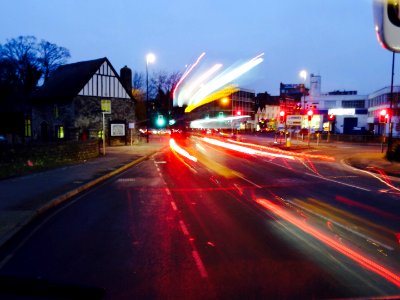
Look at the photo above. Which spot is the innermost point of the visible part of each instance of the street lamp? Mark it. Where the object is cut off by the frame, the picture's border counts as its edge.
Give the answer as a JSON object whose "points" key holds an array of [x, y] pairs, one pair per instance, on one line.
{"points": [[303, 75], [150, 58]]}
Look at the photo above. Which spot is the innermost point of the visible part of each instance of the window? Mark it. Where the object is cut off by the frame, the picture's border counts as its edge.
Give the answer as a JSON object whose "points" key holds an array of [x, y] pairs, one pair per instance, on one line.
{"points": [[353, 104], [60, 131], [55, 111], [28, 127], [330, 104]]}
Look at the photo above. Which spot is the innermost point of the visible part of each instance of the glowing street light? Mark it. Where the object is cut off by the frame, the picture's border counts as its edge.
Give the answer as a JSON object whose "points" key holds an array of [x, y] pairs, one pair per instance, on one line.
{"points": [[303, 75], [225, 100], [150, 58]]}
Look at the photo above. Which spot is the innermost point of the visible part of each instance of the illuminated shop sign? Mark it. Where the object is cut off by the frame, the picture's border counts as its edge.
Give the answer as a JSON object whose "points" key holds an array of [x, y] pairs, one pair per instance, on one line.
{"points": [[342, 111]]}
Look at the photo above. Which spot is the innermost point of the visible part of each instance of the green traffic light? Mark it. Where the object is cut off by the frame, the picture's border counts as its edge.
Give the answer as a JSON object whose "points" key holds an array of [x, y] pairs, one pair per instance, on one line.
{"points": [[160, 121]]}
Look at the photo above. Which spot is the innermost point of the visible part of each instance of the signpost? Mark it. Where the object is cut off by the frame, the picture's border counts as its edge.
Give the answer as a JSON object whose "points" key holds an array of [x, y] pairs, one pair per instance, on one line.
{"points": [[105, 109], [294, 120], [131, 126]]}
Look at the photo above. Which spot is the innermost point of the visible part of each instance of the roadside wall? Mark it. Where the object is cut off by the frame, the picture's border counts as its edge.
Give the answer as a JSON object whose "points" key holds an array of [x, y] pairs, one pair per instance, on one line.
{"points": [[23, 159]]}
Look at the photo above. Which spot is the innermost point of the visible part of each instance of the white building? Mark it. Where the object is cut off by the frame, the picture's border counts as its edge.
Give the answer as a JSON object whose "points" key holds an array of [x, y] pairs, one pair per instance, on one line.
{"points": [[379, 100], [349, 109]]}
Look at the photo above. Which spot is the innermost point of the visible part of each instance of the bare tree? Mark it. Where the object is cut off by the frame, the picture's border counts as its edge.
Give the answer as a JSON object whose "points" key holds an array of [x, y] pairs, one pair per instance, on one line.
{"points": [[50, 57], [162, 81], [23, 62], [21, 53], [138, 81]]}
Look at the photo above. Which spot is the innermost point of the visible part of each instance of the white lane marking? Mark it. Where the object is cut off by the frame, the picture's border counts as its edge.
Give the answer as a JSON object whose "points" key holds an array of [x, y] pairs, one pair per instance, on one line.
{"points": [[249, 181], [167, 190], [174, 206], [324, 178], [184, 228], [199, 264], [339, 182], [160, 162]]}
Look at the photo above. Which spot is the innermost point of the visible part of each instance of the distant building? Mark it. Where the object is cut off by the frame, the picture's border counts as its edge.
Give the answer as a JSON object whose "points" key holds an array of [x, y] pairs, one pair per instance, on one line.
{"points": [[266, 119], [379, 100], [349, 108], [239, 104], [262, 99], [68, 106]]}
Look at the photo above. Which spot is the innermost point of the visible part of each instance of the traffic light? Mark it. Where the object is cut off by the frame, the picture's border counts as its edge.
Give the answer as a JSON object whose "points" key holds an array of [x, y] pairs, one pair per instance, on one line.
{"points": [[332, 118], [238, 113], [383, 116], [160, 121], [282, 116], [310, 114]]}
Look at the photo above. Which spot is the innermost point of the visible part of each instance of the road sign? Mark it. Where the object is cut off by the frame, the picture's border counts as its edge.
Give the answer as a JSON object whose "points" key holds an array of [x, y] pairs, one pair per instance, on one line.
{"points": [[106, 106], [387, 23], [293, 120]]}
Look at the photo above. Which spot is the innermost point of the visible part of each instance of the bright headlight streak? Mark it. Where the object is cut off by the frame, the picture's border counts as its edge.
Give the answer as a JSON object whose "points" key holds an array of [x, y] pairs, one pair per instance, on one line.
{"points": [[184, 77], [198, 123], [244, 149], [224, 79], [224, 92], [174, 146], [188, 93]]}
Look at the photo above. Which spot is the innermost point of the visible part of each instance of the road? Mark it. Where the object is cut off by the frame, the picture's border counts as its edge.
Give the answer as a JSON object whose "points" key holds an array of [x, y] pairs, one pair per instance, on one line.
{"points": [[225, 224]]}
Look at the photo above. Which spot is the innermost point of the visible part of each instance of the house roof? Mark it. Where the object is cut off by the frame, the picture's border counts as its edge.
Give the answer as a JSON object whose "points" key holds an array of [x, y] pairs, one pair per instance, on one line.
{"points": [[68, 80]]}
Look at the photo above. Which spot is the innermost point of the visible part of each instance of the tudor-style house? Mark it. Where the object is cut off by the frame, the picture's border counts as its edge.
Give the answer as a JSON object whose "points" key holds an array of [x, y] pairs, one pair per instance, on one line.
{"points": [[69, 105]]}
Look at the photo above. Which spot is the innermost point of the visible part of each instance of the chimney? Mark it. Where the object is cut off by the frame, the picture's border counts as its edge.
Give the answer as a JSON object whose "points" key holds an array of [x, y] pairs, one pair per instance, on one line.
{"points": [[126, 78]]}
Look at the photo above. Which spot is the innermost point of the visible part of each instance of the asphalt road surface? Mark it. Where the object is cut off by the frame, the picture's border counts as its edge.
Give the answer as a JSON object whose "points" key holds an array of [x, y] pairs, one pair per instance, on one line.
{"points": [[220, 224]]}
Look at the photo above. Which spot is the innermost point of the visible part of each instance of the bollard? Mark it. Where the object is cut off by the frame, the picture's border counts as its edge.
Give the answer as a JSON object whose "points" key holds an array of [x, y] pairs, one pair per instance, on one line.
{"points": [[288, 142]]}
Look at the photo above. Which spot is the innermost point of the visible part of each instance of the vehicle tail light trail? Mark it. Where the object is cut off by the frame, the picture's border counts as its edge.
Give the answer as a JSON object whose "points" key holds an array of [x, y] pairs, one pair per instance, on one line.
{"points": [[245, 150], [174, 146], [350, 253], [285, 152]]}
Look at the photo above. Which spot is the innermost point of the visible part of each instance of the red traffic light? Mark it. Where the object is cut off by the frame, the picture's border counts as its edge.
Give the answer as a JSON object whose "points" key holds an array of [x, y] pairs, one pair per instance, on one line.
{"points": [[383, 116], [331, 118], [238, 113], [282, 116], [310, 114]]}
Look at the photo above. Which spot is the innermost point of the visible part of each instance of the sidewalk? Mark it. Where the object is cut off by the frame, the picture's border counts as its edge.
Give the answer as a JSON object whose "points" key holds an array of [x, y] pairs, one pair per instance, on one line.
{"points": [[24, 198], [374, 162]]}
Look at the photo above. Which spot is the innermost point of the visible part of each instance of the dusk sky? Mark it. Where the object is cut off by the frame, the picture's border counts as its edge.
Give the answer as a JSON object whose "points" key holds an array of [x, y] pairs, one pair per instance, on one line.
{"points": [[334, 39]]}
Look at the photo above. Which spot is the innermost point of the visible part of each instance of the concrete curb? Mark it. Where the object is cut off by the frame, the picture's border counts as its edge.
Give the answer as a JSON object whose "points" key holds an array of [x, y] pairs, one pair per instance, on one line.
{"points": [[68, 195], [348, 164]]}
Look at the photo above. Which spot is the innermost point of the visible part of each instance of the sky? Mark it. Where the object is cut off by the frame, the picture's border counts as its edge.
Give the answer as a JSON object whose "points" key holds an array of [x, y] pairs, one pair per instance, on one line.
{"points": [[334, 39]]}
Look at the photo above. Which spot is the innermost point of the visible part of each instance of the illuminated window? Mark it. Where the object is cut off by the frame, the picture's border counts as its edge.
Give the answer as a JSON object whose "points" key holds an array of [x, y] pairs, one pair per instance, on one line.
{"points": [[60, 132], [28, 127]]}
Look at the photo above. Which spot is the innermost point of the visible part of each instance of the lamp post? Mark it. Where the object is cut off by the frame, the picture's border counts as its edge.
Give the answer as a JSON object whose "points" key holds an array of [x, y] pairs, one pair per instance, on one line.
{"points": [[150, 58], [303, 75]]}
